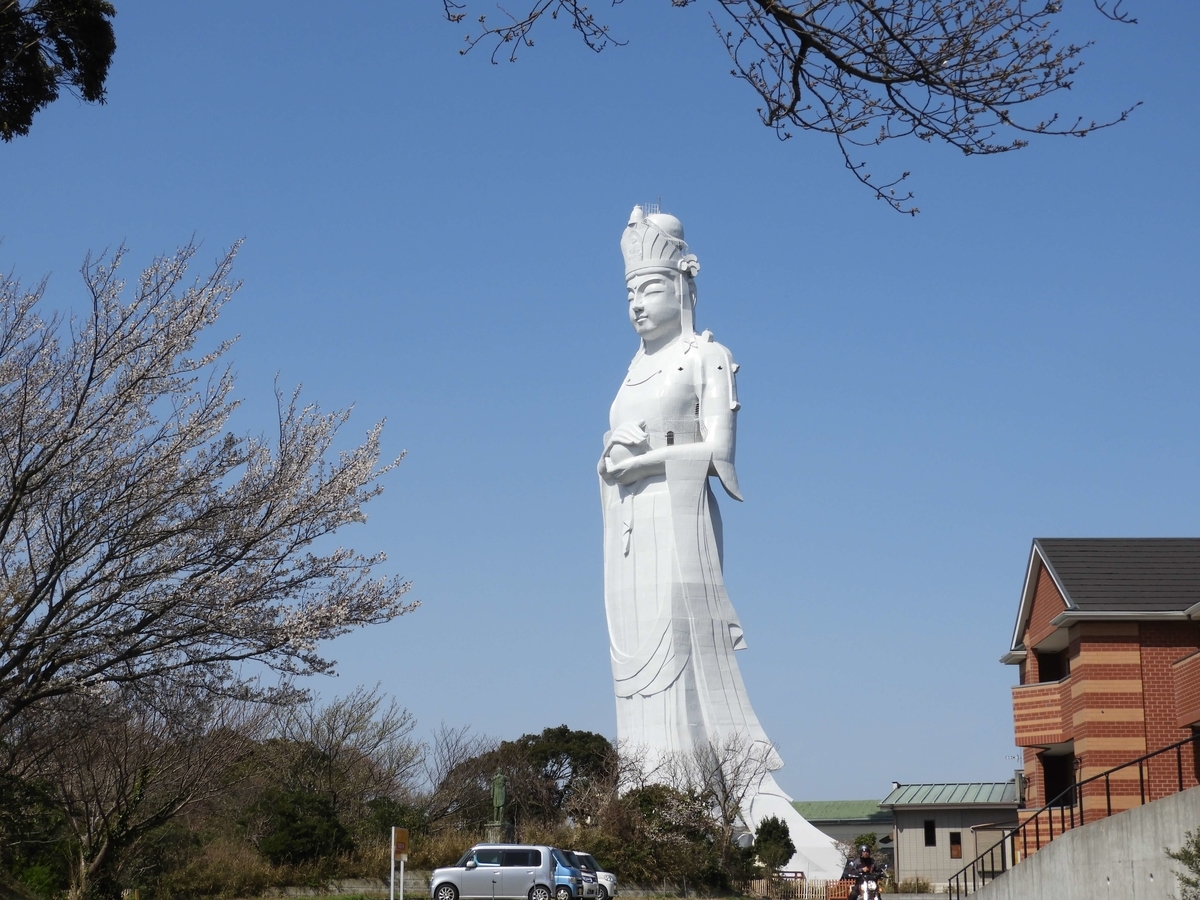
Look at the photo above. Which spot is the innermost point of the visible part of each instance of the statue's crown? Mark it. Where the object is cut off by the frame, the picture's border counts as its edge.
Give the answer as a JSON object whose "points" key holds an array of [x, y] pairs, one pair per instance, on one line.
{"points": [[654, 240]]}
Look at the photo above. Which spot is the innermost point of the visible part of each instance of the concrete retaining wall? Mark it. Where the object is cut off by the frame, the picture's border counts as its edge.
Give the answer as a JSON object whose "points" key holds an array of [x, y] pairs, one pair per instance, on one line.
{"points": [[415, 884], [1118, 858]]}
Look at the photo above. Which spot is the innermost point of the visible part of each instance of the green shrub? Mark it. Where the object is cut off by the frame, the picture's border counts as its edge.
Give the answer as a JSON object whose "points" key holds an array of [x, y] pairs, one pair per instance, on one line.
{"points": [[916, 885], [773, 843], [33, 840], [301, 827], [1189, 855], [41, 879], [871, 839], [385, 813]]}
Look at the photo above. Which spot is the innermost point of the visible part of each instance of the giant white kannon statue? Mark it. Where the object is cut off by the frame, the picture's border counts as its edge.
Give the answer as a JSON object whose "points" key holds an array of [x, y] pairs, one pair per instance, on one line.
{"points": [[672, 628]]}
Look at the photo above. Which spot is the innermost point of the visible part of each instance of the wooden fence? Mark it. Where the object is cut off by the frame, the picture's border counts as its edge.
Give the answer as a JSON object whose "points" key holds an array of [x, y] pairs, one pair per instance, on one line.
{"points": [[793, 886]]}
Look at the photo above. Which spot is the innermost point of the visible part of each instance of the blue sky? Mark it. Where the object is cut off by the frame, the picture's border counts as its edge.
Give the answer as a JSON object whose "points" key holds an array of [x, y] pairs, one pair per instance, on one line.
{"points": [[435, 240]]}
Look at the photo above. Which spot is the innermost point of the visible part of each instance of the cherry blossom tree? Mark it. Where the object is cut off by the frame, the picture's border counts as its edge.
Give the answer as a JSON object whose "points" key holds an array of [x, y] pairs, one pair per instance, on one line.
{"points": [[141, 542]]}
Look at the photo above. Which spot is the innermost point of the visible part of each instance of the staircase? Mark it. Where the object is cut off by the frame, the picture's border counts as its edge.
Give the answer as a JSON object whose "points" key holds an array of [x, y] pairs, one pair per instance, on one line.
{"points": [[1161, 774]]}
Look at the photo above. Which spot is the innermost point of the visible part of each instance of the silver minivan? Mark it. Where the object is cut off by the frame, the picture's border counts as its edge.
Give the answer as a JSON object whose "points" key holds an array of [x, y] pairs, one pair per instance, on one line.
{"points": [[607, 886], [511, 871]]}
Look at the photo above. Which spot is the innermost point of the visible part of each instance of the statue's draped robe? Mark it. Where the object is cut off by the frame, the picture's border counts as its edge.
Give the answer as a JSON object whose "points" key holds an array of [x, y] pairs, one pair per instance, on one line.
{"points": [[673, 631]]}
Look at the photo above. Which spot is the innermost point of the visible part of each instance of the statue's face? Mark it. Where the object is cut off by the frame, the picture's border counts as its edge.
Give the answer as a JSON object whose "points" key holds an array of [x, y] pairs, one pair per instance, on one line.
{"points": [[654, 305]]}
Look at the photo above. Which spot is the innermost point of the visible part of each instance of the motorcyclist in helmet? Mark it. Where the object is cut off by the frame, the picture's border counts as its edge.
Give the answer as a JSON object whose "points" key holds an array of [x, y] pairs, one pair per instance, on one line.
{"points": [[864, 863]]}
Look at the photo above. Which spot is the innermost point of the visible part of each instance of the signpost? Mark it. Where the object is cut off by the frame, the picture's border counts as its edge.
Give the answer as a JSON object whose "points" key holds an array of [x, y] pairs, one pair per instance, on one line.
{"points": [[399, 852]]}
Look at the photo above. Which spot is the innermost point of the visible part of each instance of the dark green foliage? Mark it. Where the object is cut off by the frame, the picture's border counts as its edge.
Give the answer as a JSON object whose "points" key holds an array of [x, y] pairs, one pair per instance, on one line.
{"points": [[42, 880], [47, 45], [386, 813], [871, 839], [552, 776], [300, 827], [565, 755], [1189, 855], [31, 837], [773, 843], [563, 761]]}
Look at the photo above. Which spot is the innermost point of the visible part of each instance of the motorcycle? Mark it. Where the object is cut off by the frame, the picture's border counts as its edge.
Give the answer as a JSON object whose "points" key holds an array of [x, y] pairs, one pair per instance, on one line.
{"points": [[867, 884]]}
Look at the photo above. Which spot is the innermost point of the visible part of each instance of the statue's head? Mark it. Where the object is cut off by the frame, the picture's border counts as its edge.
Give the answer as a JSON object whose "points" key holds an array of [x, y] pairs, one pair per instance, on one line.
{"points": [[659, 273]]}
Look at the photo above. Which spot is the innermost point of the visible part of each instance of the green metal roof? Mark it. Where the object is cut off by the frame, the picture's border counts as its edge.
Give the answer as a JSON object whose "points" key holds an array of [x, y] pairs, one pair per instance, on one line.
{"points": [[842, 811], [974, 793]]}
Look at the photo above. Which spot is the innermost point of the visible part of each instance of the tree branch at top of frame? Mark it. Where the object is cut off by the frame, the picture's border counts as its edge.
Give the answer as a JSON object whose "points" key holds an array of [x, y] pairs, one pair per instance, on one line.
{"points": [[963, 72]]}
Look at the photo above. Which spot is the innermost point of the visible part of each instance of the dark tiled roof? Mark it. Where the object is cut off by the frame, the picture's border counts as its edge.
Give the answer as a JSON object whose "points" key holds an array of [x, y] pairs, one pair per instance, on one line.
{"points": [[842, 811], [1126, 574], [974, 793]]}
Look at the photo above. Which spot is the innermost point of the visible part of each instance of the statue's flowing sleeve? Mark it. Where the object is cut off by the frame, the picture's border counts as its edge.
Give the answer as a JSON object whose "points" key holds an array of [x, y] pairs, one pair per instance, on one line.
{"points": [[716, 386]]}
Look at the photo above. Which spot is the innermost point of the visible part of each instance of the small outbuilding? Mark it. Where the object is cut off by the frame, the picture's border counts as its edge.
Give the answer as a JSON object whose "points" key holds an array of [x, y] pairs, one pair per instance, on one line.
{"points": [[939, 828]]}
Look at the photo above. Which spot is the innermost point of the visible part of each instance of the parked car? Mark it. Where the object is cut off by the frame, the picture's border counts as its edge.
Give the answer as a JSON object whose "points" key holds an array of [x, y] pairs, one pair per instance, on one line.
{"points": [[606, 881], [588, 883], [510, 871]]}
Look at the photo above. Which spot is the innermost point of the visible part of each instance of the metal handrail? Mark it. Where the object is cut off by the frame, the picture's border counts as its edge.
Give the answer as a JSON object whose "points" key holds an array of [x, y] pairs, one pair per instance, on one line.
{"points": [[966, 882]]}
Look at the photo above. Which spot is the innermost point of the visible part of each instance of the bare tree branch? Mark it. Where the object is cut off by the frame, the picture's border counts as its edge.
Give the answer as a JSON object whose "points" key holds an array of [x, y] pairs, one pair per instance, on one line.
{"points": [[352, 750], [1114, 12], [455, 793], [724, 774], [962, 72], [513, 34]]}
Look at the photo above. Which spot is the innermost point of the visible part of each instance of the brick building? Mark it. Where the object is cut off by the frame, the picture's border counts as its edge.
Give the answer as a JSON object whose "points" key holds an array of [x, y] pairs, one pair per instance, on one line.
{"points": [[1107, 642]]}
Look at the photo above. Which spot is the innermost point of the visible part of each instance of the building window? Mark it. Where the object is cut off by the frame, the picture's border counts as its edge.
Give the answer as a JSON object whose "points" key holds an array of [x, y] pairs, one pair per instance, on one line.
{"points": [[1053, 666], [1058, 773], [956, 845], [930, 833]]}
